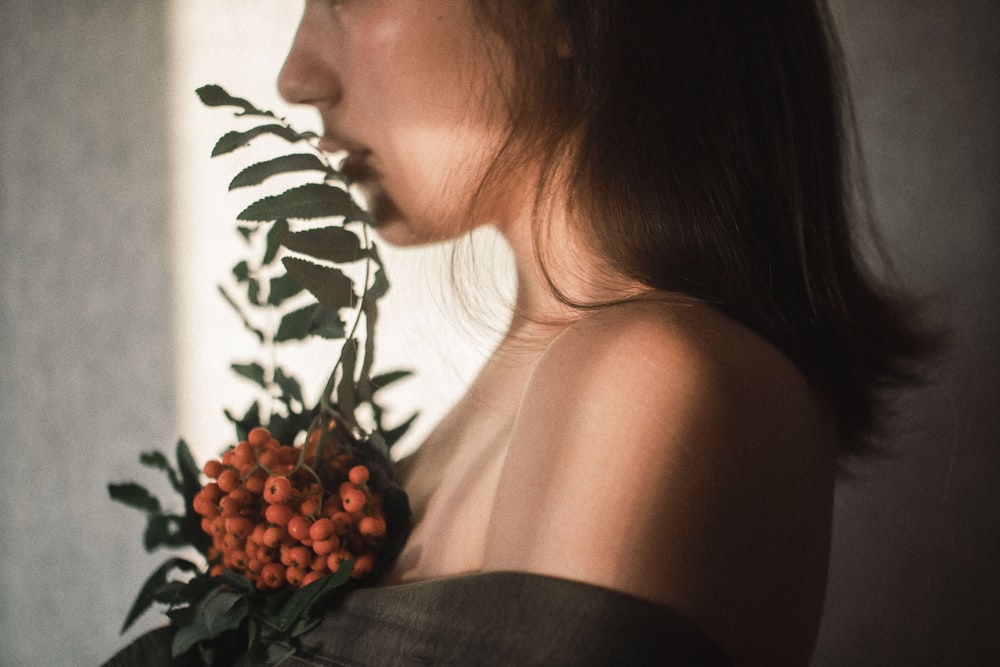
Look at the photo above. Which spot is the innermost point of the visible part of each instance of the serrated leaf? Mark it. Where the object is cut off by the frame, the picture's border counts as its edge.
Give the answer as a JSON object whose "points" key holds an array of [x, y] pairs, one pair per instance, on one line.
{"points": [[236, 139], [256, 174], [333, 244], [274, 235], [246, 232], [283, 287], [304, 202], [158, 460], [328, 284], [148, 592], [252, 371], [213, 95], [135, 496]]}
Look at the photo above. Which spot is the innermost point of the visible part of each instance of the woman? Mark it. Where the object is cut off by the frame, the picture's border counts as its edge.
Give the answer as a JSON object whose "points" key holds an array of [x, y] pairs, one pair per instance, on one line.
{"points": [[694, 339]]}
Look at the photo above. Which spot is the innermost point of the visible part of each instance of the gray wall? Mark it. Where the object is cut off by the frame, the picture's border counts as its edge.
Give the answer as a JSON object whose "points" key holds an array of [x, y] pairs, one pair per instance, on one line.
{"points": [[85, 328], [86, 378]]}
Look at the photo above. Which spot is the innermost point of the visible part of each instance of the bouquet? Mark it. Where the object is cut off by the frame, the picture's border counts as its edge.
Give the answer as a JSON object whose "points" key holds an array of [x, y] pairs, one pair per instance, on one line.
{"points": [[305, 501]]}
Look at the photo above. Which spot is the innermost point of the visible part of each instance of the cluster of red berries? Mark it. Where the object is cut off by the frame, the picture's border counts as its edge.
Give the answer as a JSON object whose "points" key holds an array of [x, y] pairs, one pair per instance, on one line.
{"points": [[284, 519]]}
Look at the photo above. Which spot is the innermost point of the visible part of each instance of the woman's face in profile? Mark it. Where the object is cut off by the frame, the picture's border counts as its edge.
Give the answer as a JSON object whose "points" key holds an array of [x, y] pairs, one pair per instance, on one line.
{"points": [[408, 90]]}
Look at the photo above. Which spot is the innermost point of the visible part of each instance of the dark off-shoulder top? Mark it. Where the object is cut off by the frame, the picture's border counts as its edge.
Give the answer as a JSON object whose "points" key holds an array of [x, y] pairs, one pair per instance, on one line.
{"points": [[515, 619]]}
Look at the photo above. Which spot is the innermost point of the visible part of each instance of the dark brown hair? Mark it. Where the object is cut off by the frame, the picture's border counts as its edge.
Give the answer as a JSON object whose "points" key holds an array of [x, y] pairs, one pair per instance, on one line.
{"points": [[710, 143]]}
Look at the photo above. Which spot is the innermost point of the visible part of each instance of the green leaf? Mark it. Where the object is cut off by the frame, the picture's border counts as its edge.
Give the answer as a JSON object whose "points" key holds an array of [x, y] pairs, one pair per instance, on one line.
{"points": [[304, 599], [274, 235], [220, 611], [283, 288], [246, 232], [252, 371], [334, 244], [135, 496], [214, 95], [304, 202], [256, 174], [248, 421], [235, 139], [150, 590], [158, 460], [328, 284]]}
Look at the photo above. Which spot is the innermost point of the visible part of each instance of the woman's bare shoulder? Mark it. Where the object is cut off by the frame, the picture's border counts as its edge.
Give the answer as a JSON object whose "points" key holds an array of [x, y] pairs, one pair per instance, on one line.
{"points": [[665, 450]]}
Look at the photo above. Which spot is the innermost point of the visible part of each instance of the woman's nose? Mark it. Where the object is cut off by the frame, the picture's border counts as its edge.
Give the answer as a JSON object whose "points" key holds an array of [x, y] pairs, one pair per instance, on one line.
{"points": [[308, 76]]}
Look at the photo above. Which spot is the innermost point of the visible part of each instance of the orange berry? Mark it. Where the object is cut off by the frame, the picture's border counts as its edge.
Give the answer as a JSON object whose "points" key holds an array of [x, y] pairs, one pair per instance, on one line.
{"points": [[358, 475], [310, 506], [254, 484], [279, 514], [228, 480], [273, 575], [240, 559], [334, 560], [311, 577], [269, 458], [322, 529], [295, 575], [277, 489], [301, 557], [352, 499], [341, 523], [324, 547], [363, 566], [371, 526], [216, 571], [272, 536], [298, 527], [244, 455], [239, 526], [259, 437], [212, 468]]}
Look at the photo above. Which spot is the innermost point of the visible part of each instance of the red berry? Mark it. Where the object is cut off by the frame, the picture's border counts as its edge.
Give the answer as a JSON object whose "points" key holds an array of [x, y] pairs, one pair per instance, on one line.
{"points": [[295, 575], [322, 529], [311, 577], [239, 526], [352, 499], [363, 566], [212, 468], [229, 480], [358, 475], [277, 490], [341, 523], [278, 514], [244, 455], [370, 526], [298, 527], [324, 547], [273, 575], [258, 437]]}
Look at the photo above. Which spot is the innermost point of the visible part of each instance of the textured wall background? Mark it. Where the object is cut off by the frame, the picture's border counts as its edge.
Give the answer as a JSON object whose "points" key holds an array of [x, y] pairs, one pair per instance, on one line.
{"points": [[87, 358]]}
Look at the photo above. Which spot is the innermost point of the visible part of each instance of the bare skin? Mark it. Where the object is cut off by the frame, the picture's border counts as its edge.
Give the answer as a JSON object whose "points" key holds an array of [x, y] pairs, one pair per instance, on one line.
{"points": [[656, 447]]}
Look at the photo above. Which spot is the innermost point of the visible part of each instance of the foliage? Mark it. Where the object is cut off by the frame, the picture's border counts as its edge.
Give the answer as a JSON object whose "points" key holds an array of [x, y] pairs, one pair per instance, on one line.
{"points": [[296, 282]]}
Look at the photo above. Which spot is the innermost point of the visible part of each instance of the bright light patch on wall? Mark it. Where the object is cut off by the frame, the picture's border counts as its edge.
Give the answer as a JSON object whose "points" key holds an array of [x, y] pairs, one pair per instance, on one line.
{"points": [[240, 45]]}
